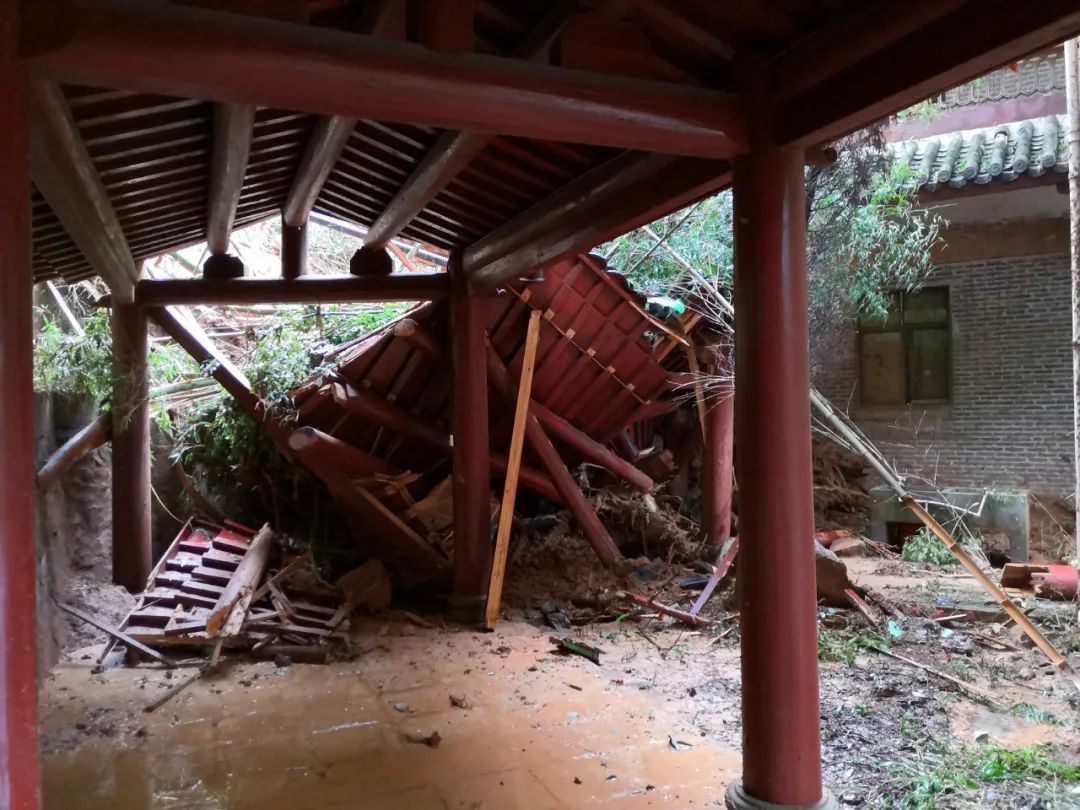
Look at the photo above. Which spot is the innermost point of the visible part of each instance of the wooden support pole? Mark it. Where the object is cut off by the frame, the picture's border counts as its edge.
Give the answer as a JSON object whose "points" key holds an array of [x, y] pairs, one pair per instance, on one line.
{"points": [[311, 290], [717, 469], [576, 502], [517, 444], [318, 449], [18, 565], [73, 450], [293, 251], [590, 449], [233, 125], [130, 448], [781, 738], [471, 452]]}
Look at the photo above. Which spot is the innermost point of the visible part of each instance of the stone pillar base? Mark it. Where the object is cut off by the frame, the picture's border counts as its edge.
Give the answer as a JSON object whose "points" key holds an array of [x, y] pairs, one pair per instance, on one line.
{"points": [[738, 799]]}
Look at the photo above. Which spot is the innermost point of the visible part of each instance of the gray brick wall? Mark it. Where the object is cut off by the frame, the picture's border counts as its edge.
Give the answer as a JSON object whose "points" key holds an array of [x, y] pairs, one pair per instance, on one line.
{"points": [[1009, 422]]}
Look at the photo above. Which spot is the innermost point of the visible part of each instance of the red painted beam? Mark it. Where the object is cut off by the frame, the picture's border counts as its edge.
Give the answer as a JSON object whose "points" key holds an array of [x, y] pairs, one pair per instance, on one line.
{"points": [[231, 58], [307, 290], [131, 547], [471, 450], [18, 565], [562, 430], [781, 740], [910, 67]]}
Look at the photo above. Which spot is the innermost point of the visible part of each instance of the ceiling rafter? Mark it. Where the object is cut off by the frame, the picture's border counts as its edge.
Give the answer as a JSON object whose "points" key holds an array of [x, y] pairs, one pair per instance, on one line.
{"points": [[454, 150], [64, 174], [233, 125]]}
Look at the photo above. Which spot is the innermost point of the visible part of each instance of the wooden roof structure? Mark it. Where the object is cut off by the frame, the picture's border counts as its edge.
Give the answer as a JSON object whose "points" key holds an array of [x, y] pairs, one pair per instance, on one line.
{"points": [[514, 132]]}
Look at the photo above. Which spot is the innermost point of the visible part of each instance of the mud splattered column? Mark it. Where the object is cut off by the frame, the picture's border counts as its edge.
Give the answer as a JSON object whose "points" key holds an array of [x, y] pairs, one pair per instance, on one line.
{"points": [[781, 736], [130, 448], [717, 467], [472, 469], [18, 686]]}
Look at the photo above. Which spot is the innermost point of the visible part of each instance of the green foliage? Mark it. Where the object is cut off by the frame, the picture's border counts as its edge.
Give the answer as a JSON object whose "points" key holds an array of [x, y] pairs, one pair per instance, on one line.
{"points": [[67, 363], [925, 547], [839, 647]]}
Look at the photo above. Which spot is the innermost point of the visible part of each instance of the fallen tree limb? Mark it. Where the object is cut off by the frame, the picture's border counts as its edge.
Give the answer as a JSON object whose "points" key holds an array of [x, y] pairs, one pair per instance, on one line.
{"points": [[70, 452], [675, 613]]}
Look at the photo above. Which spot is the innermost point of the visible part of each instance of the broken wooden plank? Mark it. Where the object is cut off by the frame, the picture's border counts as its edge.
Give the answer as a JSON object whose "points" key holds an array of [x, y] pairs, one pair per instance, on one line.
{"points": [[73, 450], [242, 585], [283, 574], [117, 634]]}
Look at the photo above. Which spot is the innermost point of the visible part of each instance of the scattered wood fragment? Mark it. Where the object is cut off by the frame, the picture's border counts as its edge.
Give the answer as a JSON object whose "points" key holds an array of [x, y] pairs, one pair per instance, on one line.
{"points": [[860, 605], [431, 740], [997, 642], [297, 653], [117, 634], [572, 647], [981, 694], [228, 614], [174, 691], [674, 613], [282, 575], [723, 565]]}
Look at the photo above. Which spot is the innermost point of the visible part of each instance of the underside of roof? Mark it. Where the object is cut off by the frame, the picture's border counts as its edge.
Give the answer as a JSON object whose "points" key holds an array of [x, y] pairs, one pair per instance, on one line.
{"points": [[504, 190]]}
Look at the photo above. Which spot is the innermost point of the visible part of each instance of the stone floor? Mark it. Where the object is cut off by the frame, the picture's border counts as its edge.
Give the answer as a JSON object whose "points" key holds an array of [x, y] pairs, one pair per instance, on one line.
{"points": [[532, 730]]}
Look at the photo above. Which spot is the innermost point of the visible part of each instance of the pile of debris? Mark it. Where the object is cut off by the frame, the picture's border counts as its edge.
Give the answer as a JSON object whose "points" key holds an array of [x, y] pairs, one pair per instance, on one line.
{"points": [[215, 588]]}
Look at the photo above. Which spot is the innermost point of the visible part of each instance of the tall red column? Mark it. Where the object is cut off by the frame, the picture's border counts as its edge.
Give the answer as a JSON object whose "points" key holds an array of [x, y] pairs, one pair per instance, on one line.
{"points": [[781, 736], [717, 470], [130, 448], [472, 470], [18, 652]]}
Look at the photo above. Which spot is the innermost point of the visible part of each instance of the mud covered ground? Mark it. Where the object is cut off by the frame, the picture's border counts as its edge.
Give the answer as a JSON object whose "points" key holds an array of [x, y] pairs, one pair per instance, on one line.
{"points": [[656, 724]]}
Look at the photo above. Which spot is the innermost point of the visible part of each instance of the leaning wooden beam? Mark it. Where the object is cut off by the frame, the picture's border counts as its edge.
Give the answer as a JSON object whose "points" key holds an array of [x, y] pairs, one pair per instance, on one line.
{"points": [[579, 506], [233, 125], [590, 449], [586, 213], [318, 70], [236, 598], [70, 452], [517, 444], [310, 290], [64, 173], [318, 449], [119, 635], [453, 151]]}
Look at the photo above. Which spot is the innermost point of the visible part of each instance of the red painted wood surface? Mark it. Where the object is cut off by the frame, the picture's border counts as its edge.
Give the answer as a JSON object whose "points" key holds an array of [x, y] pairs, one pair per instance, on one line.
{"points": [[222, 58], [131, 541], [781, 741], [18, 653], [718, 468]]}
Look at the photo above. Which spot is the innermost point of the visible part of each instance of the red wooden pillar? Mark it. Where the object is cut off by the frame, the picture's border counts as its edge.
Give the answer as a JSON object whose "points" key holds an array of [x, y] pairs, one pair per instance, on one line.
{"points": [[18, 652], [781, 735], [717, 467], [130, 448], [472, 469]]}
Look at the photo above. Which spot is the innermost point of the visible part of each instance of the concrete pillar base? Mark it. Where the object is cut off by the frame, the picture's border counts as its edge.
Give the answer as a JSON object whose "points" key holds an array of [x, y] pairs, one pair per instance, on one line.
{"points": [[467, 610], [738, 799]]}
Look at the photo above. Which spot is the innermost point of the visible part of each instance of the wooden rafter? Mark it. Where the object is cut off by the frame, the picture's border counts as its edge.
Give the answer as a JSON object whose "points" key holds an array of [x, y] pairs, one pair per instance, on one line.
{"points": [[454, 151], [64, 173], [232, 145], [223, 57], [309, 290]]}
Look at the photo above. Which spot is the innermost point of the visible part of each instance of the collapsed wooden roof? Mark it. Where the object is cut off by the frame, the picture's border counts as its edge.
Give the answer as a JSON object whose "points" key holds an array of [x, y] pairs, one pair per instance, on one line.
{"points": [[517, 133]]}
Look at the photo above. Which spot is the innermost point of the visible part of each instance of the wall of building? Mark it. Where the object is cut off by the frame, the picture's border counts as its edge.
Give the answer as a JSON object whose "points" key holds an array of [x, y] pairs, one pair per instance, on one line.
{"points": [[1009, 421]]}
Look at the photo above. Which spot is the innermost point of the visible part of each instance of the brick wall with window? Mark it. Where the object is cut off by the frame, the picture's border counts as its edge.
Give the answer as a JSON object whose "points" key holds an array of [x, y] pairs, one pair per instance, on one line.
{"points": [[1001, 414]]}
